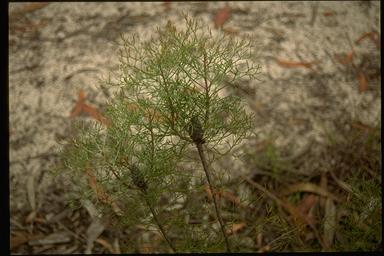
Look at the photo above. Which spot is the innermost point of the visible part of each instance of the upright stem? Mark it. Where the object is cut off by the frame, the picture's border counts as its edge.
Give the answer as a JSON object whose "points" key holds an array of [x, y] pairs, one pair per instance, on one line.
{"points": [[159, 224], [144, 193], [205, 167]]}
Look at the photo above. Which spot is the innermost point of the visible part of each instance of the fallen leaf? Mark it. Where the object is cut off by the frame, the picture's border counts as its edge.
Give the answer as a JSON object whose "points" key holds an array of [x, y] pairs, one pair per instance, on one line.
{"points": [[31, 217], [146, 248], [329, 229], [21, 238], [31, 191], [93, 112], [347, 59], [231, 197], [209, 192], [306, 204], [361, 126], [298, 219], [363, 83], [236, 227], [292, 15], [226, 195], [374, 36], [329, 13], [167, 5], [105, 244], [93, 232], [266, 248], [222, 16], [308, 201], [116, 246], [55, 238], [259, 240], [81, 106], [29, 8], [293, 64], [309, 187]]}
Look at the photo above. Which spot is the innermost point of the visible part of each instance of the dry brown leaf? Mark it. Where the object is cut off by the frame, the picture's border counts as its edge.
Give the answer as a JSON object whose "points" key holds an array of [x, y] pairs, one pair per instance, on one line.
{"points": [[167, 5], [54, 238], [363, 83], [31, 191], [266, 248], [29, 8], [81, 106], [31, 217], [116, 246], [105, 244], [259, 240], [374, 36], [293, 64], [93, 112], [361, 126], [146, 248], [309, 187], [329, 229], [222, 16], [209, 192], [236, 227], [308, 201], [231, 197], [298, 219], [21, 238], [224, 194], [93, 232], [329, 13], [345, 60]]}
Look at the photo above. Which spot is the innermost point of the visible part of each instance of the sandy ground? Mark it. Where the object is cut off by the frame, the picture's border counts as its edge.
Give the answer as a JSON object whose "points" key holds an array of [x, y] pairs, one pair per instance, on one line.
{"points": [[56, 49]]}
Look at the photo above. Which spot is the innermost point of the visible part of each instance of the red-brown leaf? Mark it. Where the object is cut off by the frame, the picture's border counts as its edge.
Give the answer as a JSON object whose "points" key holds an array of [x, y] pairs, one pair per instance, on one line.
{"points": [[167, 5], [236, 227], [374, 36], [329, 13], [307, 203], [347, 59], [363, 83], [82, 107], [79, 104], [222, 16]]}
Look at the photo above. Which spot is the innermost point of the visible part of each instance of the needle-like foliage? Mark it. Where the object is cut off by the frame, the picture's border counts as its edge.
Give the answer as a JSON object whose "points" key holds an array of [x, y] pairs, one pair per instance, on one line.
{"points": [[177, 77]]}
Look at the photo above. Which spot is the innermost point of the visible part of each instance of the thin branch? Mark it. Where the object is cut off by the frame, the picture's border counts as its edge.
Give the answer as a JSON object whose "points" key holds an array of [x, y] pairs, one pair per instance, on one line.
{"points": [[158, 222], [205, 167], [145, 195], [207, 89]]}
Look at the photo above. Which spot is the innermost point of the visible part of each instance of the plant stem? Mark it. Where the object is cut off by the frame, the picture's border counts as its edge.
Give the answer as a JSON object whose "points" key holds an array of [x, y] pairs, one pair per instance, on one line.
{"points": [[144, 193], [205, 167], [159, 224]]}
